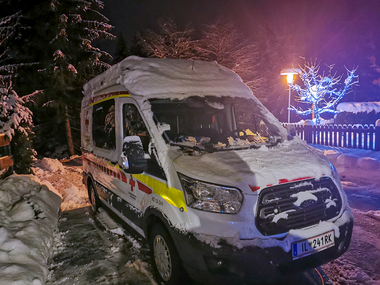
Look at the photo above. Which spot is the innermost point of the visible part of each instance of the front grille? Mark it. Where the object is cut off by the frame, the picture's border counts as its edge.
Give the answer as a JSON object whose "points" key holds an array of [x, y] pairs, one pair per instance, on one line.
{"points": [[297, 205]]}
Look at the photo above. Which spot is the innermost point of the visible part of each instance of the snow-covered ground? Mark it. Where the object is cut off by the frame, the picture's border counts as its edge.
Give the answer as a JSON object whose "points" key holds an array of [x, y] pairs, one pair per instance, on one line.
{"points": [[28, 219], [65, 178], [28, 208], [358, 166], [359, 170]]}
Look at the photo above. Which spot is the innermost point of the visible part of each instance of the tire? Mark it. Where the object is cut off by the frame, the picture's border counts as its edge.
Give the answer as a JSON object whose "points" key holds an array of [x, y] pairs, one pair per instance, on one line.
{"points": [[93, 196], [165, 259], [317, 276], [314, 276]]}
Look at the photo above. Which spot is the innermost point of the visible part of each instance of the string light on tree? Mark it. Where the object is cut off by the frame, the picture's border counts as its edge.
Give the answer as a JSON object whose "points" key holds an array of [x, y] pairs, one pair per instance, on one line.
{"points": [[321, 91]]}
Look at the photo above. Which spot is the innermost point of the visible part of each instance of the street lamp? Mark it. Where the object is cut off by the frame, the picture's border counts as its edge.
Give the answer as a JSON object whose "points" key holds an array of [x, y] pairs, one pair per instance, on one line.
{"points": [[289, 72]]}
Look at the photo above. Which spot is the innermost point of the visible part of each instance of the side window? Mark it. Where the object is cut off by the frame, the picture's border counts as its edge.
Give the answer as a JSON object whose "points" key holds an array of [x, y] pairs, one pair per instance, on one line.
{"points": [[134, 126], [133, 122], [103, 125]]}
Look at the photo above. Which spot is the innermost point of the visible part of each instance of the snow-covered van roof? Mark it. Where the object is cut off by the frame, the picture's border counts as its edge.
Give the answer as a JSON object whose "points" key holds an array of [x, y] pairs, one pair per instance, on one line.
{"points": [[169, 78]]}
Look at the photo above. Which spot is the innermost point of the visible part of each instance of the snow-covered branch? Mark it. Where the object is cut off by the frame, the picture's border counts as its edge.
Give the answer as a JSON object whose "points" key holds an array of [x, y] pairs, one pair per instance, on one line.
{"points": [[321, 91], [13, 114]]}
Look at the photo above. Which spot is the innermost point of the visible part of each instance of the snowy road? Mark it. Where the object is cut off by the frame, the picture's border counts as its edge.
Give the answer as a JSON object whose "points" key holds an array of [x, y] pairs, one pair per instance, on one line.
{"points": [[364, 201], [90, 253], [361, 263], [95, 250], [362, 196]]}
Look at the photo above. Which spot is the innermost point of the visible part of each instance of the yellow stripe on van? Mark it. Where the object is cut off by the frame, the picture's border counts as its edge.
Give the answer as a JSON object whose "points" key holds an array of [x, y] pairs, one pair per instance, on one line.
{"points": [[147, 180], [109, 98], [172, 195]]}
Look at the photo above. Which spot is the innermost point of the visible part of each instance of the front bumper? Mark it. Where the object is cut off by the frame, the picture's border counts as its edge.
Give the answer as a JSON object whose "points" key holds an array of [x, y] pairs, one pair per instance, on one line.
{"points": [[231, 265]]}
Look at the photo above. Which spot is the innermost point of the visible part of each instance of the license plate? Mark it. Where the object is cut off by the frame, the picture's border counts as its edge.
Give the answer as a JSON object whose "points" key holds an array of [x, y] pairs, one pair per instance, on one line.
{"points": [[313, 245]]}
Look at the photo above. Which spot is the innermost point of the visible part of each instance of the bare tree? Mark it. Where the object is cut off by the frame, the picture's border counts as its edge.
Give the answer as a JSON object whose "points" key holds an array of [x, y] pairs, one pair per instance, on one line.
{"points": [[224, 43], [321, 91], [170, 41]]}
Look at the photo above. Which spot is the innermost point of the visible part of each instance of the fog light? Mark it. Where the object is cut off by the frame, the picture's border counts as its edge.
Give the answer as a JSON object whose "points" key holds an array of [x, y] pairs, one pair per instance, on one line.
{"points": [[216, 264]]}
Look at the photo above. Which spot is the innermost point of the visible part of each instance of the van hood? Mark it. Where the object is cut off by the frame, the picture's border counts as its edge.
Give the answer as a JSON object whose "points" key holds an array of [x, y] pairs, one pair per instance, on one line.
{"points": [[259, 168]]}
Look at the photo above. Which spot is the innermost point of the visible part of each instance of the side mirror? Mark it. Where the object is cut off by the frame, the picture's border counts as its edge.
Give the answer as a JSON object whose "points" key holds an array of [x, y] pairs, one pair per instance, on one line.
{"points": [[133, 158]]}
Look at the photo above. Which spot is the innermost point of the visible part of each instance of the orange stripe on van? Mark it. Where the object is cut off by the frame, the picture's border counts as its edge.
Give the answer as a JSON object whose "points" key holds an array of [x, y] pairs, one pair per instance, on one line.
{"points": [[144, 188], [145, 183]]}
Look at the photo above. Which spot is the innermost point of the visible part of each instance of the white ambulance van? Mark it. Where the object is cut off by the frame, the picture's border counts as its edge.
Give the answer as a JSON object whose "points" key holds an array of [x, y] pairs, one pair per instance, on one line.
{"points": [[184, 154]]}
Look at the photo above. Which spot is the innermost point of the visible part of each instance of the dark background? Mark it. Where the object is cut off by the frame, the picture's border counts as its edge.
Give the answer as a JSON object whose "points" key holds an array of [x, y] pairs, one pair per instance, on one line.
{"points": [[340, 32]]}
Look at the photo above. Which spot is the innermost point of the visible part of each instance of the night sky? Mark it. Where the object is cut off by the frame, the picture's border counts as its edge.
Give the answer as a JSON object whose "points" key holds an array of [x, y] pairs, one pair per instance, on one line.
{"points": [[340, 32]]}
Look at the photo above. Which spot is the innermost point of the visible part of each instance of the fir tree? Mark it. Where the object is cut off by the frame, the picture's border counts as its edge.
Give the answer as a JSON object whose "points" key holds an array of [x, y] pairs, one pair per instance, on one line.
{"points": [[122, 50], [16, 122], [23, 31], [135, 45], [75, 60], [15, 59]]}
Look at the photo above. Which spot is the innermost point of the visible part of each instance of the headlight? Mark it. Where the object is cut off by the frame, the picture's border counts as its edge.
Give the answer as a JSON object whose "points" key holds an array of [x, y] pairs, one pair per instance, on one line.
{"points": [[210, 197], [334, 172], [336, 177]]}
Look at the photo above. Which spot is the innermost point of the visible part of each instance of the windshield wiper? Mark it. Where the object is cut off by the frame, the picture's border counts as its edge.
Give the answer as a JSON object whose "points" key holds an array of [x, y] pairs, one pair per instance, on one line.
{"points": [[208, 147]]}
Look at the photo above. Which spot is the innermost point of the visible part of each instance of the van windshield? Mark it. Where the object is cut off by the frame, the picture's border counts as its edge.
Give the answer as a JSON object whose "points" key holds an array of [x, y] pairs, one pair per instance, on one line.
{"points": [[213, 123]]}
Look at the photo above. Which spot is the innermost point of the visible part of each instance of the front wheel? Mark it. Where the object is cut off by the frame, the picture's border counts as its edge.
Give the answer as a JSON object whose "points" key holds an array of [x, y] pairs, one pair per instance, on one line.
{"points": [[166, 262], [93, 196]]}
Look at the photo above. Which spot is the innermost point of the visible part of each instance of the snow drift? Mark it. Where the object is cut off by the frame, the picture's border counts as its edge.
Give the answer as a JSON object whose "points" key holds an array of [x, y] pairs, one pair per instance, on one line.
{"points": [[29, 215]]}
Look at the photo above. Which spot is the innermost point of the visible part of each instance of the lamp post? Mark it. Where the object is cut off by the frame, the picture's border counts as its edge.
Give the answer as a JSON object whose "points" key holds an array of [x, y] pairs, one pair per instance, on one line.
{"points": [[289, 72]]}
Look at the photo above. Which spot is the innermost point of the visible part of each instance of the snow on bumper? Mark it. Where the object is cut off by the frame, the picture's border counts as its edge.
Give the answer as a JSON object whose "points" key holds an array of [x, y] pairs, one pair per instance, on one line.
{"points": [[266, 259]]}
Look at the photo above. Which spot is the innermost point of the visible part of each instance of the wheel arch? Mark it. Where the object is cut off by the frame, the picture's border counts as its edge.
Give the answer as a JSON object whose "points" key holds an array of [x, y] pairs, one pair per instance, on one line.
{"points": [[152, 216], [88, 179]]}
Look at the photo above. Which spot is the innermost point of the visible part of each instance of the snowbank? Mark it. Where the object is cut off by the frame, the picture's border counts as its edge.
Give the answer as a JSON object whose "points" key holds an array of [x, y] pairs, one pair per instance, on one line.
{"points": [[359, 164], [65, 181], [29, 215], [356, 107]]}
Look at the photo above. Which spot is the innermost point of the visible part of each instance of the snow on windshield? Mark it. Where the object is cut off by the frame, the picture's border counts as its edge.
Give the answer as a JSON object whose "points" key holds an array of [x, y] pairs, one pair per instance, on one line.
{"points": [[220, 121]]}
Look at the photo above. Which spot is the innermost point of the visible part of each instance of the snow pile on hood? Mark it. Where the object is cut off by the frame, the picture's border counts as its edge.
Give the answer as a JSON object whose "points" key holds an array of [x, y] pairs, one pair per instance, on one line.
{"points": [[356, 107], [29, 215], [257, 167], [179, 78]]}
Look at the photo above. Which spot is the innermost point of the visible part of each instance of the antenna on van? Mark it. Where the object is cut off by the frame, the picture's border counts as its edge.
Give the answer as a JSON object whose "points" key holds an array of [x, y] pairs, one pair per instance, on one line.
{"points": [[192, 67]]}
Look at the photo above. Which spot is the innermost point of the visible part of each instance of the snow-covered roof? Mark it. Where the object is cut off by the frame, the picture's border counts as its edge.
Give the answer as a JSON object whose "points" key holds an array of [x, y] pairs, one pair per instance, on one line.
{"points": [[355, 107], [171, 78]]}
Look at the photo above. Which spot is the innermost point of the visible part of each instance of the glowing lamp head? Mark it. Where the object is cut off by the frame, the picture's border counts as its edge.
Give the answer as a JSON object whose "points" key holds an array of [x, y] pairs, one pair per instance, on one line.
{"points": [[289, 72], [289, 78]]}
